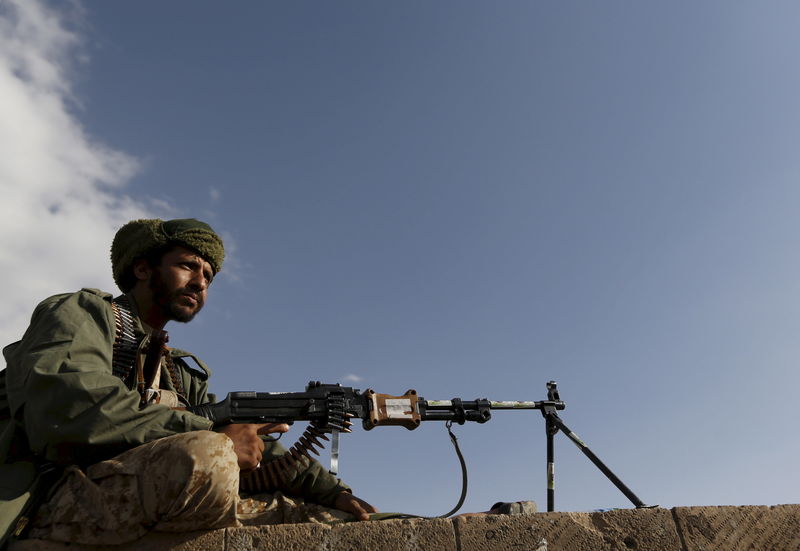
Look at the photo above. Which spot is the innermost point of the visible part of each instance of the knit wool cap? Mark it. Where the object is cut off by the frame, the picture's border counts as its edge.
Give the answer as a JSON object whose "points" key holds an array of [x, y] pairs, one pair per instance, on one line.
{"points": [[138, 238]]}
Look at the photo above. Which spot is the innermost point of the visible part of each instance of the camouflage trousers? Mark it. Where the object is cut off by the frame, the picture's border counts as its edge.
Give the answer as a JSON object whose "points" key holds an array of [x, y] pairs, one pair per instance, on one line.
{"points": [[277, 508], [180, 483]]}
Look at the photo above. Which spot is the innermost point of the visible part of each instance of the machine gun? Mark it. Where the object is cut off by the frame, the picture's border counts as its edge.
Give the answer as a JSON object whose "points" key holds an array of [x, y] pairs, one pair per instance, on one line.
{"points": [[330, 408]]}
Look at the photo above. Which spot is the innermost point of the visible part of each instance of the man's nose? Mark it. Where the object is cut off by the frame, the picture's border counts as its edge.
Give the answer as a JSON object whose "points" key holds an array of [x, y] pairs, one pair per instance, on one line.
{"points": [[198, 282]]}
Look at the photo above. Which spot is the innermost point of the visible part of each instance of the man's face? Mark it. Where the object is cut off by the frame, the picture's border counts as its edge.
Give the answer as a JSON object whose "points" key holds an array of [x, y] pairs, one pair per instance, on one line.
{"points": [[180, 284]]}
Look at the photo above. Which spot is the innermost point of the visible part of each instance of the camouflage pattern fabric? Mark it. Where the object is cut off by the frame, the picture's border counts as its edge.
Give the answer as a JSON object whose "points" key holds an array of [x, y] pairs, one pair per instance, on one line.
{"points": [[180, 483], [277, 508]]}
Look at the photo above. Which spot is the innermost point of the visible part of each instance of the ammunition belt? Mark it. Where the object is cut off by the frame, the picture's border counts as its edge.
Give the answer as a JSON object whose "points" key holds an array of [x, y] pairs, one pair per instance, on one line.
{"points": [[175, 376], [126, 346]]}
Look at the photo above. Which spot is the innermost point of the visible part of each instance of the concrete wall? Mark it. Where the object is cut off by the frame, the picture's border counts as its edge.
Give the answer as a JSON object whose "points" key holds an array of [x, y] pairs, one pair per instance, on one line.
{"points": [[681, 529]]}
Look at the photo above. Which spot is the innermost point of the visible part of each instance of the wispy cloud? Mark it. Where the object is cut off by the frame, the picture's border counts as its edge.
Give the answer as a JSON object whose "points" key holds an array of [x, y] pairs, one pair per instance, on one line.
{"points": [[214, 194], [61, 190], [352, 378]]}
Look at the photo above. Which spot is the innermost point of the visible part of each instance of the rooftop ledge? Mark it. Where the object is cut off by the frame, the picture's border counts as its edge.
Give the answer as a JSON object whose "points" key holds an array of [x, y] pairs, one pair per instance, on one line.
{"points": [[728, 528]]}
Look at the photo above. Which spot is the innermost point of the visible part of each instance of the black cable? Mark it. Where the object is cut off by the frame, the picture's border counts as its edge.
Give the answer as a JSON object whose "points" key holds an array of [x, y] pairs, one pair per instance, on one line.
{"points": [[454, 440]]}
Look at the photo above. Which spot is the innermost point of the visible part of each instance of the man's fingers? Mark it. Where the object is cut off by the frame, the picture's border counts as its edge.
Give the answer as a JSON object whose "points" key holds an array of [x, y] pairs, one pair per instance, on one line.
{"points": [[361, 505], [358, 511], [352, 504], [246, 444], [371, 509], [366, 507], [250, 464], [361, 514], [271, 428]]}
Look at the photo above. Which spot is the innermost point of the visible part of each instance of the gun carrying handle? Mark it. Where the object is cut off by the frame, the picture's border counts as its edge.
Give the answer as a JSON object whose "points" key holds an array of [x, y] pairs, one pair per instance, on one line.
{"points": [[385, 409]]}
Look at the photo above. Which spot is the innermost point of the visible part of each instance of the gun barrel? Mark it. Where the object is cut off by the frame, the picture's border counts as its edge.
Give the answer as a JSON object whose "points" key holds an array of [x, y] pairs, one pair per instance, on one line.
{"points": [[529, 405], [448, 404]]}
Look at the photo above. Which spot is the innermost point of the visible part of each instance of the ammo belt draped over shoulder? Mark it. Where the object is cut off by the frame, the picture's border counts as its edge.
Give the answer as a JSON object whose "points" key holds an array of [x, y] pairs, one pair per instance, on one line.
{"points": [[126, 346]]}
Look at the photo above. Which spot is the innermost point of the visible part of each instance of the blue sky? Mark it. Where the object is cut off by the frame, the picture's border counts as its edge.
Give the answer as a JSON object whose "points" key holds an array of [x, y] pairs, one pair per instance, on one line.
{"points": [[465, 198]]}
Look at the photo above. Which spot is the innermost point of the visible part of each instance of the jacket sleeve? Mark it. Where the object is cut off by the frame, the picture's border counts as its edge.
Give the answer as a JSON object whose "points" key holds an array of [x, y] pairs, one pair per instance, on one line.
{"points": [[60, 385], [313, 483]]}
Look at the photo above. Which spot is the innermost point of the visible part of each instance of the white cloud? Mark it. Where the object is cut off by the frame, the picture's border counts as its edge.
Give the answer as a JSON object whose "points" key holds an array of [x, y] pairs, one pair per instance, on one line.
{"points": [[60, 191], [214, 194], [352, 378]]}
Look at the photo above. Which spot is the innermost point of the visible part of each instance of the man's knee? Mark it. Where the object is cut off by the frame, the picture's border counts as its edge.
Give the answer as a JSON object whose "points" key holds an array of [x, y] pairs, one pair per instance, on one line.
{"points": [[207, 458], [203, 447], [174, 484], [193, 475]]}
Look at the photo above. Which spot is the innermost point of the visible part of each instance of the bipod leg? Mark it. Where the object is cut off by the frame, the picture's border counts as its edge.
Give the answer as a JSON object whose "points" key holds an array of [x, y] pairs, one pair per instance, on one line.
{"points": [[552, 417], [552, 430]]}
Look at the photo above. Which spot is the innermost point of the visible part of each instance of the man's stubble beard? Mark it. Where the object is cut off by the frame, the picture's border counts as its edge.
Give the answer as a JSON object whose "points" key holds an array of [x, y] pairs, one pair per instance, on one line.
{"points": [[168, 301]]}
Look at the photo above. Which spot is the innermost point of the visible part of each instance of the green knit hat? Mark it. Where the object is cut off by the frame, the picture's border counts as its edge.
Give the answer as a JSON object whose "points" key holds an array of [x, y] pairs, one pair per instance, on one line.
{"points": [[138, 238]]}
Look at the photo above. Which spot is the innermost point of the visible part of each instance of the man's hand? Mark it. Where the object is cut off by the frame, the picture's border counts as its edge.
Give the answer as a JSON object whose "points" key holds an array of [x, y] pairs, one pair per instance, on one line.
{"points": [[246, 442], [351, 504]]}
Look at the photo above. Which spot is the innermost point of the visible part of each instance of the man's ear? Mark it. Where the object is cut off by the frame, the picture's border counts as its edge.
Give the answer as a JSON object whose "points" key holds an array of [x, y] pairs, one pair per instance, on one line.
{"points": [[142, 270]]}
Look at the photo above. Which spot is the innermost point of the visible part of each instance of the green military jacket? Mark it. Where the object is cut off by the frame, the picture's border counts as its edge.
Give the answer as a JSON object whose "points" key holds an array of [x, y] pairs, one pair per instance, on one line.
{"points": [[64, 405]]}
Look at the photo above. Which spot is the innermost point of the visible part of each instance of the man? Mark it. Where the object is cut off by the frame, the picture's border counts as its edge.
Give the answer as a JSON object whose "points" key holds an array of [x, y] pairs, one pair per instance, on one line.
{"points": [[93, 396]]}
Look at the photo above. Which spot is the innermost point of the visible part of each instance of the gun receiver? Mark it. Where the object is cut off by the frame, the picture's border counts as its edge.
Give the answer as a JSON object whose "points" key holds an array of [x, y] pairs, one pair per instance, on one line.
{"points": [[330, 406]]}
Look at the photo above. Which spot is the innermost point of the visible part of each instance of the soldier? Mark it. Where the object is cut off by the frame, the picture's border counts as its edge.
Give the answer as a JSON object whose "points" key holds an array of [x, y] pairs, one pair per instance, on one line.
{"points": [[94, 398]]}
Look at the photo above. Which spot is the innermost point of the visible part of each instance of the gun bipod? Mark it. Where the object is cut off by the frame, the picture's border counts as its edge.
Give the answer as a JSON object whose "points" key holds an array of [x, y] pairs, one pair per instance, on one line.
{"points": [[554, 424]]}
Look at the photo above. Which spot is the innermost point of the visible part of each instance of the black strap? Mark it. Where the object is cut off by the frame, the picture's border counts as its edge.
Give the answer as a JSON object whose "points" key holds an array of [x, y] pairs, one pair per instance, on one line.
{"points": [[454, 440]]}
